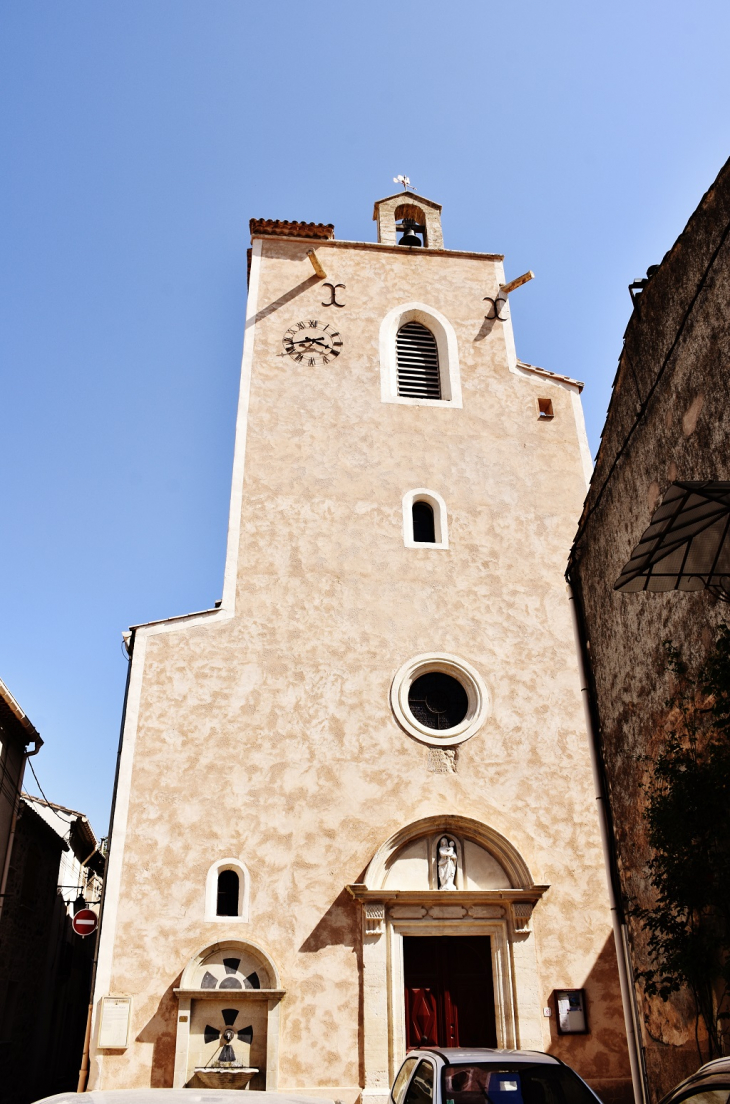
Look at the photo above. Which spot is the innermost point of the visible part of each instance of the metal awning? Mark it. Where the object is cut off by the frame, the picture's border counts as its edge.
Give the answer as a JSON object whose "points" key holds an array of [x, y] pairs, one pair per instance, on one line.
{"points": [[686, 546]]}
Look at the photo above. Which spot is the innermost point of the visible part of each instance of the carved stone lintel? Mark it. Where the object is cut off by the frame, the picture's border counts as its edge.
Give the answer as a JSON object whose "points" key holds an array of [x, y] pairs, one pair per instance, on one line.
{"points": [[522, 915], [373, 919], [486, 912], [447, 912], [408, 912]]}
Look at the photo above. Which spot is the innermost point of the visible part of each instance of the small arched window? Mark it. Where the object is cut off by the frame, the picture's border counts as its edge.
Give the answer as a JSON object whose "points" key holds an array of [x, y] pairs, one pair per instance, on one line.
{"points": [[417, 360], [425, 523], [424, 528], [228, 890]]}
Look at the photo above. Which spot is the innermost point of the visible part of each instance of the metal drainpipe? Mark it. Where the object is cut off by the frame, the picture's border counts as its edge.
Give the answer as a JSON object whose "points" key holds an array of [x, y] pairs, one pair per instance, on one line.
{"points": [[38, 744], [627, 997]]}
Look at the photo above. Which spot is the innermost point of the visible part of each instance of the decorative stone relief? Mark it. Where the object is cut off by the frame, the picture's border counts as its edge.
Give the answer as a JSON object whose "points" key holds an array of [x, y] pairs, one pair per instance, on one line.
{"points": [[486, 912], [374, 919], [522, 913], [442, 760], [408, 912], [447, 863], [447, 912]]}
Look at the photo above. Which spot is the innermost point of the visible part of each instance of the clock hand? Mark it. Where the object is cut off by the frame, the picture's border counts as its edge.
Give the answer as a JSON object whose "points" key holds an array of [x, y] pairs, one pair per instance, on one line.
{"points": [[308, 341]]}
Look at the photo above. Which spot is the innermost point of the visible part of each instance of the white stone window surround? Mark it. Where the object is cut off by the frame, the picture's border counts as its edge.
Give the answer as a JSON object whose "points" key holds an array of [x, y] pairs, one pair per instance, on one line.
{"points": [[440, 518], [479, 703], [448, 351], [211, 892]]}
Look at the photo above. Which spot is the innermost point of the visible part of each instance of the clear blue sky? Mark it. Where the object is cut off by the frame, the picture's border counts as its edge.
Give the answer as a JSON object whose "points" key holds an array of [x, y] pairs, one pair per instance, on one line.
{"points": [[139, 137]]}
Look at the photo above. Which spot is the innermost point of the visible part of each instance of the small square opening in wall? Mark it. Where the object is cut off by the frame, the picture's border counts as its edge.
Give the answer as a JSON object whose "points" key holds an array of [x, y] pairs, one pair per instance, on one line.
{"points": [[545, 408]]}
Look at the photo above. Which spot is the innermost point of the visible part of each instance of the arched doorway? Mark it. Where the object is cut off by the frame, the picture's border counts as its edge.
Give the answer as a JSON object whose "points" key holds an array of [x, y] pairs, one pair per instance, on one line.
{"points": [[448, 950]]}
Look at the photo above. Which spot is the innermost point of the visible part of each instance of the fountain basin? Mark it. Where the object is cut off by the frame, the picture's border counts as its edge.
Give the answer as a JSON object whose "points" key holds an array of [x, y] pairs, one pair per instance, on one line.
{"points": [[225, 1077]]}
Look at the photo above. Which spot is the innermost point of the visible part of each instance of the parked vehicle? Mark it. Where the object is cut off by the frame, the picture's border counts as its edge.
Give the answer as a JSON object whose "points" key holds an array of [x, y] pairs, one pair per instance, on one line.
{"points": [[710, 1085], [178, 1096], [458, 1075]]}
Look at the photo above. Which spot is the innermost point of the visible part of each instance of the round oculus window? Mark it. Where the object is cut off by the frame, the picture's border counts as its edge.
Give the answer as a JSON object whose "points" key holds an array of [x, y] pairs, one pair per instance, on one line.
{"points": [[439, 698]]}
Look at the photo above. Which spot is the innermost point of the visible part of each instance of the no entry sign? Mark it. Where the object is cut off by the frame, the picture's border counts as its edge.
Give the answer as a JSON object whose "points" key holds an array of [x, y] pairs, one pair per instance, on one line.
{"points": [[84, 922]]}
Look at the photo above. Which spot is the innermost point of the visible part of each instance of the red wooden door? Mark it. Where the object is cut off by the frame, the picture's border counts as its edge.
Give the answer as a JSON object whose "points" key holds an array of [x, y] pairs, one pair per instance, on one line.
{"points": [[422, 1016], [449, 991]]}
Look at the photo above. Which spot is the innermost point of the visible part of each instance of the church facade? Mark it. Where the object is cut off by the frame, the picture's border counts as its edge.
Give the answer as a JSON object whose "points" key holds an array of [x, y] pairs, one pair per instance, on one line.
{"points": [[354, 810]]}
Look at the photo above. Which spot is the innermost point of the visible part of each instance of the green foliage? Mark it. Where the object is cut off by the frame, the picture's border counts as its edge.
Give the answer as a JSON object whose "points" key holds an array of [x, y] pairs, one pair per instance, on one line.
{"points": [[687, 813]]}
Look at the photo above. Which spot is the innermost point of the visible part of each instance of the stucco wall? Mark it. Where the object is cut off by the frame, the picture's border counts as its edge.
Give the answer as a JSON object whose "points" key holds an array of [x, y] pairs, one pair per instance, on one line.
{"points": [[668, 420], [265, 731]]}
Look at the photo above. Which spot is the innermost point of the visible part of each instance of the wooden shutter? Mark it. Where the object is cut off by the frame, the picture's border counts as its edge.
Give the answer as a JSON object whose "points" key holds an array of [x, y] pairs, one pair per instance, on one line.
{"points": [[418, 362]]}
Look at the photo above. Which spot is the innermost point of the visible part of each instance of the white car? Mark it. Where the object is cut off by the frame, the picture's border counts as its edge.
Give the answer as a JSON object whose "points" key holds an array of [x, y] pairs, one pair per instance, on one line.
{"points": [[458, 1075]]}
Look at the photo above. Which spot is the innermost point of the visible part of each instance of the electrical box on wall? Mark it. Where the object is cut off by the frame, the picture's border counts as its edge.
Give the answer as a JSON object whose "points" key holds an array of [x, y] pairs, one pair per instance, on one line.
{"points": [[570, 1008]]}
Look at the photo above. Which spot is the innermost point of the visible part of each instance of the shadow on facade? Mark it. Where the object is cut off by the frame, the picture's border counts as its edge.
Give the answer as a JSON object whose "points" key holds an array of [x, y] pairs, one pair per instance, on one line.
{"points": [[606, 1040], [160, 1031], [339, 927]]}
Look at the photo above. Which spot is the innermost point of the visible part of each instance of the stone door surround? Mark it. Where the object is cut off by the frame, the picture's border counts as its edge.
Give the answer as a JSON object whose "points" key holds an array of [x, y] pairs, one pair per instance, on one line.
{"points": [[390, 914]]}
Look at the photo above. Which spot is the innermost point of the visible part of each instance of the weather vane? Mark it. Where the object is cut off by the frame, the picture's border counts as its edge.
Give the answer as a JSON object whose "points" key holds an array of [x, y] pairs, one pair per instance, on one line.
{"points": [[404, 180]]}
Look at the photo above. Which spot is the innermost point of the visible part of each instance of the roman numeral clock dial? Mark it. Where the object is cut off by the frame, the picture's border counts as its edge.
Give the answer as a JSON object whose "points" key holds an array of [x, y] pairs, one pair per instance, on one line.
{"points": [[311, 343]]}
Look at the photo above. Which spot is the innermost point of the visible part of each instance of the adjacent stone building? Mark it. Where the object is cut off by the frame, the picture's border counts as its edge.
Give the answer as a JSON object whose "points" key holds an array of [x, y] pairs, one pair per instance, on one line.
{"points": [[18, 740], [355, 809], [668, 424], [52, 866]]}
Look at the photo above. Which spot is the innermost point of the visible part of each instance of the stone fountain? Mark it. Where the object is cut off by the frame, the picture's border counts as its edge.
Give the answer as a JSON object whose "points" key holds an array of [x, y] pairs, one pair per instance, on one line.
{"points": [[226, 1073]]}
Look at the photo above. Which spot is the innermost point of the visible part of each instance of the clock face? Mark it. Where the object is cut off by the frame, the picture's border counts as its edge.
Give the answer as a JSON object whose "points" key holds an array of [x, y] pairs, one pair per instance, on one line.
{"points": [[311, 343]]}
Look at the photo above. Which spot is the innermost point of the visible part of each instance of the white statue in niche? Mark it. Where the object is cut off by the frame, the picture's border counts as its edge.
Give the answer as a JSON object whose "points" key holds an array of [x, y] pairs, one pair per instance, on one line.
{"points": [[447, 863]]}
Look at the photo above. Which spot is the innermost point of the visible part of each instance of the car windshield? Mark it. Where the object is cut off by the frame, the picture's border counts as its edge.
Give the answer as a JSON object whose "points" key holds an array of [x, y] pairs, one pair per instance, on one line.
{"points": [[506, 1083]]}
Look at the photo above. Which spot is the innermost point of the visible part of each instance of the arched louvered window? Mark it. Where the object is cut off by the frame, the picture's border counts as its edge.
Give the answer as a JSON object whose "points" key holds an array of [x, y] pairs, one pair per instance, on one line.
{"points": [[228, 889], [424, 528], [417, 362]]}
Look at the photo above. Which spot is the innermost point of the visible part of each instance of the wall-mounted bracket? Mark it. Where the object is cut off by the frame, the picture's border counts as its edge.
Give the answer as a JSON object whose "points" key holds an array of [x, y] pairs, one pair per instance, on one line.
{"points": [[500, 307], [505, 289], [315, 264]]}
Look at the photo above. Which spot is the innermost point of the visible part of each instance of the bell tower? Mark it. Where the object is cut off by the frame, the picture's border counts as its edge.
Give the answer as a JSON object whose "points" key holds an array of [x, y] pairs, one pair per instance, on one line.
{"points": [[356, 794], [407, 207]]}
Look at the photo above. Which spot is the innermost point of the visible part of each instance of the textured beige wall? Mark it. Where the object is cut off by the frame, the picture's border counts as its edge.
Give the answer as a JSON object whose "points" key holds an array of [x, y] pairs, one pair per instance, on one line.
{"points": [[269, 735]]}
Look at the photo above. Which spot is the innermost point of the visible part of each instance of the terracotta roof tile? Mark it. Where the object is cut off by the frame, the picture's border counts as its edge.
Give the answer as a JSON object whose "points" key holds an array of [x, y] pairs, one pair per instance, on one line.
{"points": [[283, 229]]}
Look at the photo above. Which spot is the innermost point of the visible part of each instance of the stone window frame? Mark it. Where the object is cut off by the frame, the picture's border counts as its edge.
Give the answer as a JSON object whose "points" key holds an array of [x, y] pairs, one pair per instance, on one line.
{"points": [[448, 351], [478, 709], [211, 891], [440, 518]]}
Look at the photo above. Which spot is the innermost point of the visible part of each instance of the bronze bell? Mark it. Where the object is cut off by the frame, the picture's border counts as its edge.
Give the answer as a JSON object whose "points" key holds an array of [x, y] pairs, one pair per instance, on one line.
{"points": [[410, 237]]}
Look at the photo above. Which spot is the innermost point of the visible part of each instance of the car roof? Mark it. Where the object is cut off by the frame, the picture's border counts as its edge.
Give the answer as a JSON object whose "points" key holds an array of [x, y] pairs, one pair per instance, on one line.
{"points": [[456, 1056], [178, 1096], [705, 1077]]}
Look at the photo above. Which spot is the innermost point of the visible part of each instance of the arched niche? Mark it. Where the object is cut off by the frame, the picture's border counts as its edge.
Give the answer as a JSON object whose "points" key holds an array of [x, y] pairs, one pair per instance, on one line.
{"points": [[231, 964], [487, 860], [240, 979]]}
